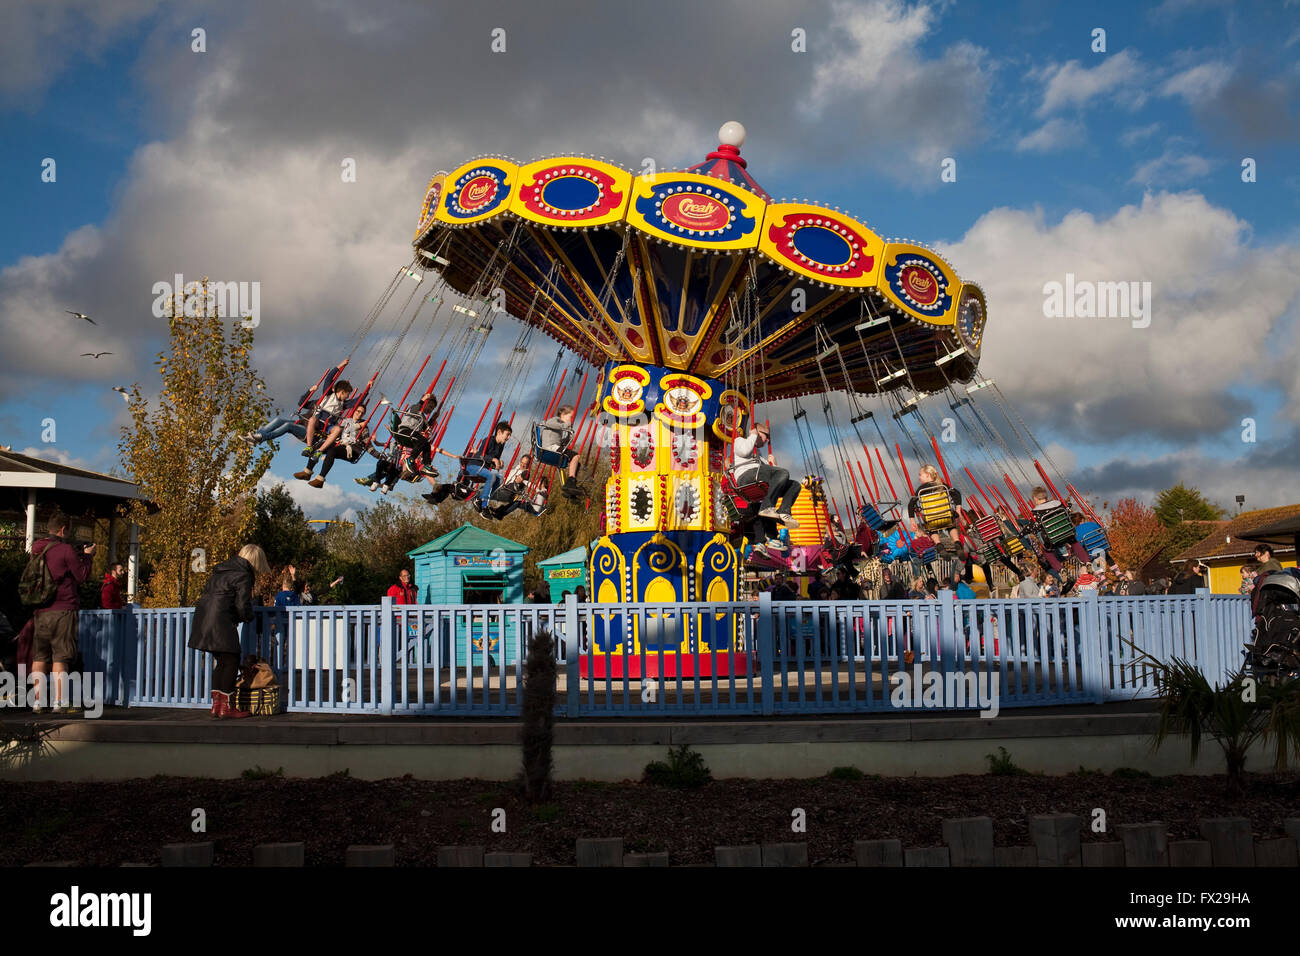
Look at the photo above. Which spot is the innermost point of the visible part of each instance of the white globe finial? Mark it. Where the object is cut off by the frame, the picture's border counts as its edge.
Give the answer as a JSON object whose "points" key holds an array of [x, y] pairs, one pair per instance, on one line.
{"points": [[731, 134]]}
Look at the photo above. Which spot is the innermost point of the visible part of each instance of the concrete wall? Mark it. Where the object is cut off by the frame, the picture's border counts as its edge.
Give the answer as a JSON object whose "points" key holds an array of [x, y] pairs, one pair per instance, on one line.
{"points": [[111, 750]]}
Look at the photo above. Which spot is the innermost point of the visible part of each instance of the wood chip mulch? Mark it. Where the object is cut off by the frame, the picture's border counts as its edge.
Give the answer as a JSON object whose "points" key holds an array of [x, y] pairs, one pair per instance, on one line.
{"points": [[109, 823]]}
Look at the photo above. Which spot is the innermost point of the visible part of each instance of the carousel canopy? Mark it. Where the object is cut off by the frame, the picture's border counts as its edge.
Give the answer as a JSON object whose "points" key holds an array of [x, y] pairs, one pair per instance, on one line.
{"points": [[701, 271]]}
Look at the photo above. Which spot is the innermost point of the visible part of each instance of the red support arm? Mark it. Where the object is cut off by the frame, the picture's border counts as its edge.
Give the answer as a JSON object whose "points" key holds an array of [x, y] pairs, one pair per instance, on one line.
{"points": [[906, 474], [1051, 487]]}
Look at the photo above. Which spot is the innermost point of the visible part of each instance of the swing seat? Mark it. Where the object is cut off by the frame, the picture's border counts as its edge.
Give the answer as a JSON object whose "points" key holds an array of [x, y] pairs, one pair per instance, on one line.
{"points": [[865, 537], [990, 552], [557, 458], [988, 528], [466, 463], [936, 509], [1095, 540], [1015, 545], [743, 495], [875, 520], [1056, 527]]}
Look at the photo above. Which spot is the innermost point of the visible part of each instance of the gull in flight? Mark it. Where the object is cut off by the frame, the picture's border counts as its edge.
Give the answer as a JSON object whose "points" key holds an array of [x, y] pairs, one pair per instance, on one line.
{"points": [[95, 354], [81, 315], [126, 396]]}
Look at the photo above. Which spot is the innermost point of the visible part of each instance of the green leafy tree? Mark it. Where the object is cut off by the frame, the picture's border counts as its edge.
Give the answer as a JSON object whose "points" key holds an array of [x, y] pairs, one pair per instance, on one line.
{"points": [[281, 528], [1180, 504], [197, 475]]}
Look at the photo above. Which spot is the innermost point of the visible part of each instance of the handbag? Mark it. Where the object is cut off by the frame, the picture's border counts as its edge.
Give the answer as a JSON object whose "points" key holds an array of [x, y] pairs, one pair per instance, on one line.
{"points": [[257, 689]]}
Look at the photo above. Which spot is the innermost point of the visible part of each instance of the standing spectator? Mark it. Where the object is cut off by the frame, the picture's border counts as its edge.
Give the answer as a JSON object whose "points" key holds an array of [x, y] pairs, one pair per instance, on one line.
{"points": [[54, 635], [1267, 563], [226, 602], [403, 592], [849, 589], [285, 598], [817, 589], [110, 592], [1135, 585], [307, 598], [1028, 587], [781, 590], [892, 589]]}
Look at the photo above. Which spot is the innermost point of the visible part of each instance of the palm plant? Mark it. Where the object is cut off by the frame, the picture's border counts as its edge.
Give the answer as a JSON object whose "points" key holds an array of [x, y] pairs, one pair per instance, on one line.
{"points": [[1236, 715]]}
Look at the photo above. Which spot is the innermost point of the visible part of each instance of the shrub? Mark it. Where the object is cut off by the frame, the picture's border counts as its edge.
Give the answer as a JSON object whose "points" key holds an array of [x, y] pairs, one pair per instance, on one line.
{"points": [[1130, 773], [1001, 765], [846, 773], [539, 718], [261, 773], [685, 769]]}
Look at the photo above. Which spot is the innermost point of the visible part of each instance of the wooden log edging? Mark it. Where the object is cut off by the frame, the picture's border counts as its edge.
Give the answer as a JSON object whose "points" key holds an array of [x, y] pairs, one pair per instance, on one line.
{"points": [[1227, 842]]}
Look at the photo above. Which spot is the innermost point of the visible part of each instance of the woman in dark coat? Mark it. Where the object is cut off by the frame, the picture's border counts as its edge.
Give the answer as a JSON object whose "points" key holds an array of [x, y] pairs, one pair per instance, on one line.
{"points": [[227, 602]]}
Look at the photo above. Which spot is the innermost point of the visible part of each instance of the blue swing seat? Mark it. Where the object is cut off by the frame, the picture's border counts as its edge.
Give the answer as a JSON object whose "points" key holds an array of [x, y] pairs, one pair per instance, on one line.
{"points": [[546, 456]]}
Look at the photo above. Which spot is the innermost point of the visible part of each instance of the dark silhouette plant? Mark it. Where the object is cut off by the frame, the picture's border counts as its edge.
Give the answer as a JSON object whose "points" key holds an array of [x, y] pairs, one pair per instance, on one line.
{"points": [[539, 718]]}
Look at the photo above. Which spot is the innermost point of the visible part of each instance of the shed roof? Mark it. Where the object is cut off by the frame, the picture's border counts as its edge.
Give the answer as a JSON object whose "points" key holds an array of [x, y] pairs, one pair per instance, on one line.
{"points": [[572, 556], [469, 538]]}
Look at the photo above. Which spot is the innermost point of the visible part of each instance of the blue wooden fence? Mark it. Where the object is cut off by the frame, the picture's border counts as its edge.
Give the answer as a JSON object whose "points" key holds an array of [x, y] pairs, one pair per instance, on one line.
{"points": [[750, 657]]}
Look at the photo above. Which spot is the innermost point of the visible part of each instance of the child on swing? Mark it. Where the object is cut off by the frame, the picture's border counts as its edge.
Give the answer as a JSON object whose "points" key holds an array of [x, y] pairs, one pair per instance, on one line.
{"points": [[348, 440], [555, 439], [1053, 555], [930, 482]]}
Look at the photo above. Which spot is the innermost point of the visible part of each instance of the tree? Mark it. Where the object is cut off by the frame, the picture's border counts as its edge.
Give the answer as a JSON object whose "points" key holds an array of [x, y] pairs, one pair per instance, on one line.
{"points": [[281, 528], [197, 475], [1134, 532], [1180, 503]]}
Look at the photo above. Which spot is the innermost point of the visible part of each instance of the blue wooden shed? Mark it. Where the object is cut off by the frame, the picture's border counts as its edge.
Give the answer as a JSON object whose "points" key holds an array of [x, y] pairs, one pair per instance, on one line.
{"points": [[469, 566], [566, 571], [473, 566]]}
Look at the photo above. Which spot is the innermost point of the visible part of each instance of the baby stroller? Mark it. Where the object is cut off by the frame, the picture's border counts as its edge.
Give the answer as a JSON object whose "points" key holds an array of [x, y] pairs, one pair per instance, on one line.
{"points": [[1274, 652]]}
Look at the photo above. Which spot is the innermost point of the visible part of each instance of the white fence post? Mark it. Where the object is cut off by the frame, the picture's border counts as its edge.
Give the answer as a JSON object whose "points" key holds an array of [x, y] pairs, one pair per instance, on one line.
{"points": [[1209, 657], [386, 656], [1094, 653]]}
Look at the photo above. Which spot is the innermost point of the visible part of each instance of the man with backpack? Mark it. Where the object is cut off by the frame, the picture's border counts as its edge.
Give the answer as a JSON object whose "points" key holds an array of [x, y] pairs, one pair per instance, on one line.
{"points": [[50, 583]]}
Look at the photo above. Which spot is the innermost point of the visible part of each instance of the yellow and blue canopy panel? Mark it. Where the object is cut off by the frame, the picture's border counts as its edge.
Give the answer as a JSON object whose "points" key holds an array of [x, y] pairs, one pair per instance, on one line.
{"points": [[702, 273]]}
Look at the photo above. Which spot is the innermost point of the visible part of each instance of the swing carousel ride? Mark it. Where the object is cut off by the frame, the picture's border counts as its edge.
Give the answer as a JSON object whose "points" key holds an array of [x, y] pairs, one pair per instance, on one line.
{"points": [[690, 301]]}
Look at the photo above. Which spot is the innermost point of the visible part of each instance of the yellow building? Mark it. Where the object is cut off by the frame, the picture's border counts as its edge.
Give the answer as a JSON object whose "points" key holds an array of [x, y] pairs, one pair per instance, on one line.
{"points": [[1232, 545]]}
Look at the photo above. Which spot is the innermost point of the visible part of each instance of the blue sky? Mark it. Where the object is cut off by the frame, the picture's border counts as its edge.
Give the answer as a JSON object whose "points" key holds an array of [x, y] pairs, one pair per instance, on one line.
{"points": [[1122, 165]]}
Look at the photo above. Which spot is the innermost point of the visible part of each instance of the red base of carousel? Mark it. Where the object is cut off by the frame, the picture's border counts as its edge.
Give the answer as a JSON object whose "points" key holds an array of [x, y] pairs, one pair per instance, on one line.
{"points": [[674, 664]]}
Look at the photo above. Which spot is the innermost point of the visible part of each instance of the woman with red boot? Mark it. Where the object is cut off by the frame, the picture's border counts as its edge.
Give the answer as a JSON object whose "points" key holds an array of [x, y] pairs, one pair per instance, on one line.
{"points": [[227, 602]]}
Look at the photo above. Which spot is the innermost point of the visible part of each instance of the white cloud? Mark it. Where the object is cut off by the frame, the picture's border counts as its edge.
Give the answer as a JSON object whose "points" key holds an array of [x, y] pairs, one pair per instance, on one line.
{"points": [[58, 455], [1072, 84], [1170, 169], [1199, 83], [875, 77], [1055, 134], [1217, 298], [338, 497], [1131, 137]]}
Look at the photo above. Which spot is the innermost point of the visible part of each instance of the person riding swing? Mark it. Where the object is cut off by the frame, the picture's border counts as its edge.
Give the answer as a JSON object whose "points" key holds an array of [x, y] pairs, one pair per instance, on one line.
{"points": [[334, 396], [347, 440], [750, 469], [551, 446], [512, 494], [935, 504]]}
